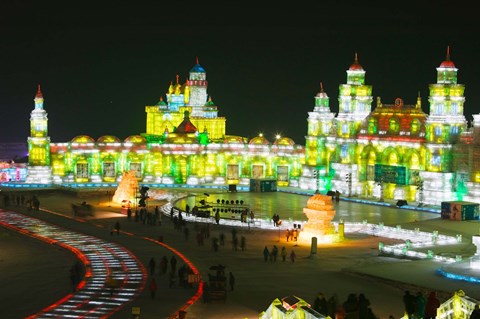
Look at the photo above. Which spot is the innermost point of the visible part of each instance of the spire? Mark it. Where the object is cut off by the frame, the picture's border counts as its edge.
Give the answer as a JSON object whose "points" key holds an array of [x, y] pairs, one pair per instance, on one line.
{"points": [[196, 60], [39, 93], [38, 99], [177, 77], [321, 87], [356, 65], [419, 101], [447, 63]]}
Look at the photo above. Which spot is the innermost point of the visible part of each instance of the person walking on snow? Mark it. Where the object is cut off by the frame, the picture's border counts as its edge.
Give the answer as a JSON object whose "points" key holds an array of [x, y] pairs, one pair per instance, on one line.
{"points": [[284, 253], [231, 281], [153, 288], [151, 265], [266, 253]]}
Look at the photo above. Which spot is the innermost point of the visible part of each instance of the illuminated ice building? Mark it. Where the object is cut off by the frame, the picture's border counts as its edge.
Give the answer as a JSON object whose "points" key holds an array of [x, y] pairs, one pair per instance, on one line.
{"points": [[185, 143], [395, 151]]}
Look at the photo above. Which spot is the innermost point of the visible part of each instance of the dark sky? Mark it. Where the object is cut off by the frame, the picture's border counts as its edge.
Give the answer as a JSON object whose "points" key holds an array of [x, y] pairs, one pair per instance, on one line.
{"points": [[100, 66]]}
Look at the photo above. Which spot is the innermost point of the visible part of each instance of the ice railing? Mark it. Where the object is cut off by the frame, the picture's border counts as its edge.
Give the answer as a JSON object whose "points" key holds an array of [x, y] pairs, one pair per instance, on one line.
{"points": [[414, 240]]}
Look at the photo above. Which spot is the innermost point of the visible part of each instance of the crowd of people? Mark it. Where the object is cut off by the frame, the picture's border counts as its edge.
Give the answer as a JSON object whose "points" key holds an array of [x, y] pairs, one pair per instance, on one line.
{"points": [[20, 199], [356, 306]]}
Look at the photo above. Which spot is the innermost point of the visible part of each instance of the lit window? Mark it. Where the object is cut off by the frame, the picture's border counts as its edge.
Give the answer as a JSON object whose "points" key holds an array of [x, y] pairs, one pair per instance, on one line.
{"points": [[326, 128], [393, 125], [454, 108], [436, 160], [344, 151], [372, 126], [439, 108], [415, 127]]}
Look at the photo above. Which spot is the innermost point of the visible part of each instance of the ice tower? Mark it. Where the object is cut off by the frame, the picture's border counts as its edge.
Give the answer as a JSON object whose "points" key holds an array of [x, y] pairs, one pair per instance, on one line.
{"points": [[355, 103], [444, 126], [39, 170]]}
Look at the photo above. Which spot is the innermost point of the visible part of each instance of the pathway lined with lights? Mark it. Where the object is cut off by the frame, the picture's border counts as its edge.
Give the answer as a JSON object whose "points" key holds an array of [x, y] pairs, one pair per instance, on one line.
{"points": [[93, 298]]}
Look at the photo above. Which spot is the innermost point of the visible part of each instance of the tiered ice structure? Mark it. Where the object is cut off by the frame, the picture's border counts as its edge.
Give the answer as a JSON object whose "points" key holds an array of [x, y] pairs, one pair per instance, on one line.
{"points": [[127, 188], [320, 213]]}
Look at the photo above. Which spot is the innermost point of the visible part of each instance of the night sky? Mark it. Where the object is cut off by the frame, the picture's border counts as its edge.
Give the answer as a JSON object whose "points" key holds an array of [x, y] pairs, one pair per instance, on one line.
{"points": [[99, 67]]}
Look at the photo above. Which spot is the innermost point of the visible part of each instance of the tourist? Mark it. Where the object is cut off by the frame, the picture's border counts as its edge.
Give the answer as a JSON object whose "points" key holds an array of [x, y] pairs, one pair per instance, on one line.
{"points": [[243, 243], [363, 306], [231, 281], [420, 305], [351, 306], [117, 227], [284, 253], [320, 304], [151, 266], [274, 253], [173, 263], [409, 304], [153, 288], [431, 306], [332, 304], [266, 253], [475, 313]]}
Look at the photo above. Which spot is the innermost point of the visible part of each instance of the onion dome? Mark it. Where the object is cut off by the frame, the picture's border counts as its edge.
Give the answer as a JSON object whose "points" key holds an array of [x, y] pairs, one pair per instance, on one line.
{"points": [[197, 68], [322, 93], [356, 66], [259, 140], [82, 139], [209, 102], [233, 139], [108, 139], [447, 63], [161, 102], [284, 141], [135, 139]]}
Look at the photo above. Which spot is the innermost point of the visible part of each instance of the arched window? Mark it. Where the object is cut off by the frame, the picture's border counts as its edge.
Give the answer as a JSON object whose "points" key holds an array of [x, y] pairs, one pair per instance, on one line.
{"points": [[415, 127], [372, 126], [393, 125]]}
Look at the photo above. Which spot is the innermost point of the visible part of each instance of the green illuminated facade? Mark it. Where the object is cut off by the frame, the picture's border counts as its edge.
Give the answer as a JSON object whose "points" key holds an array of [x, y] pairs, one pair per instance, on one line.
{"points": [[185, 143], [395, 151]]}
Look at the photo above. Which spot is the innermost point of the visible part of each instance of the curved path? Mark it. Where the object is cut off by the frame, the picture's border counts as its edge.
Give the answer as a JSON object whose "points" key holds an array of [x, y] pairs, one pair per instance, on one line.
{"points": [[93, 299], [200, 310]]}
